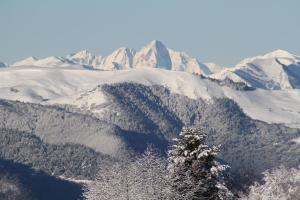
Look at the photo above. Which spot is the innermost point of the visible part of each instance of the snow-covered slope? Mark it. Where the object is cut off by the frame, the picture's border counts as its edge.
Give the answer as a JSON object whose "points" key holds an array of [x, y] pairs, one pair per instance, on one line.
{"points": [[272, 106], [65, 80], [27, 61], [122, 58], [79, 87], [276, 70], [52, 61], [37, 83], [182, 62], [213, 67]]}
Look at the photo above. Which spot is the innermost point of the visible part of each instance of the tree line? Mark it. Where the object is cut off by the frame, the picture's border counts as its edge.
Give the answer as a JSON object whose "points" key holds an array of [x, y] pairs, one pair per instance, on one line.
{"points": [[191, 172]]}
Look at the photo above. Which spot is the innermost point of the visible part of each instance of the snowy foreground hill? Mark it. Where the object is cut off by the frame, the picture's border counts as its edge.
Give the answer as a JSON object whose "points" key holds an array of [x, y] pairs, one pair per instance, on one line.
{"points": [[51, 85], [82, 110]]}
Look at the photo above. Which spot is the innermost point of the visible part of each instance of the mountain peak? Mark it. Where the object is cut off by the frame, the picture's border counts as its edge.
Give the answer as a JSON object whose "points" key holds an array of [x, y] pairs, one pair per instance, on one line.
{"points": [[156, 44], [120, 59], [154, 54], [279, 53], [31, 58], [52, 58], [81, 54], [27, 61]]}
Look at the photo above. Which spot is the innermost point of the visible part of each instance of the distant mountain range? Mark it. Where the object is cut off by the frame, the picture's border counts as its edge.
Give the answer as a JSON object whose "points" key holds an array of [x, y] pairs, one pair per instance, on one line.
{"points": [[155, 55], [275, 70]]}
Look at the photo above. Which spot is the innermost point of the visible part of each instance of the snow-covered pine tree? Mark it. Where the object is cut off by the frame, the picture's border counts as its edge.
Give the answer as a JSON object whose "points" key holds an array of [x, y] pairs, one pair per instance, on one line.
{"points": [[194, 170]]}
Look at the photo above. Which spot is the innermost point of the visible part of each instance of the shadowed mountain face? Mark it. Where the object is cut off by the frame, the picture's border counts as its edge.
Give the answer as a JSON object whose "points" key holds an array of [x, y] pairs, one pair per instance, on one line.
{"points": [[68, 160], [24, 183], [57, 125], [248, 146], [140, 109], [293, 72], [138, 115]]}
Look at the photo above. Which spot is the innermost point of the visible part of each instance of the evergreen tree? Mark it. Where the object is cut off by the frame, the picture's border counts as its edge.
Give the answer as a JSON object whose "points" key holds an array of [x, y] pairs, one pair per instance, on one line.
{"points": [[194, 170]]}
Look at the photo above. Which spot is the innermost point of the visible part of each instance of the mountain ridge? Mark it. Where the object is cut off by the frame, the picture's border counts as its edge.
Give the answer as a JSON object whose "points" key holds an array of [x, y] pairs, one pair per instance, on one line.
{"points": [[154, 54], [276, 70]]}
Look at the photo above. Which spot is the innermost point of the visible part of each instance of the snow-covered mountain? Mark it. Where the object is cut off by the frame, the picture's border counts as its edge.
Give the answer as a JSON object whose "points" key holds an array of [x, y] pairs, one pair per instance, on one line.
{"points": [[85, 58], [81, 117], [213, 67], [182, 62], [65, 80], [276, 70], [122, 58], [155, 55], [51, 61], [26, 62], [107, 110]]}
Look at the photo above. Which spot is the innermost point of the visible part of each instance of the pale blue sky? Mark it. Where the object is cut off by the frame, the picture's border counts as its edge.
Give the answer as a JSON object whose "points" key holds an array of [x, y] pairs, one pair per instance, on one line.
{"points": [[222, 31]]}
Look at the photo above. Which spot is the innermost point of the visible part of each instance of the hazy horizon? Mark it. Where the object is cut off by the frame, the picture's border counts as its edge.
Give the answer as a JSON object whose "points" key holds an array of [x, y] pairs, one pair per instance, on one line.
{"points": [[223, 32]]}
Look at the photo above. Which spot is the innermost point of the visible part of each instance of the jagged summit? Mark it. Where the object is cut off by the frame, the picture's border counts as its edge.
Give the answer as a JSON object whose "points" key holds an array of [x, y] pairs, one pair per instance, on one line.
{"points": [[80, 54], [156, 43], [121, 58], [83, 57], [125, 51], [154, 54]]}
